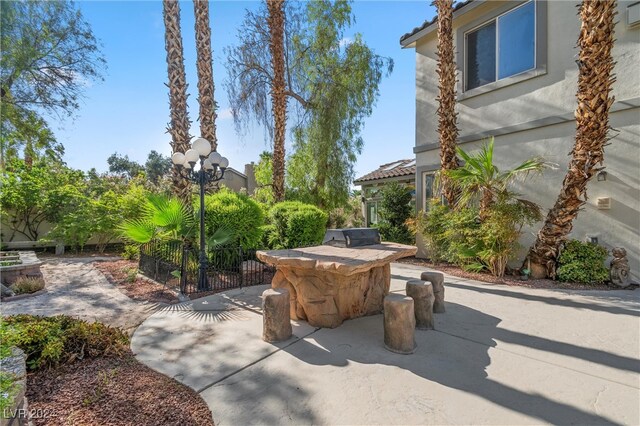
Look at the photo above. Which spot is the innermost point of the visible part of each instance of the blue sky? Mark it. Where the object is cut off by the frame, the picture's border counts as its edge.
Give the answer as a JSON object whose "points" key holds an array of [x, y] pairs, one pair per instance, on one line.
{"points": [[128, 112]]}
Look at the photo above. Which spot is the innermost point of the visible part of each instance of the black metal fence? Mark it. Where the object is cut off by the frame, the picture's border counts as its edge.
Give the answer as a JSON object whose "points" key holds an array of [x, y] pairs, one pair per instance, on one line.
{"points": [[228, 267]]}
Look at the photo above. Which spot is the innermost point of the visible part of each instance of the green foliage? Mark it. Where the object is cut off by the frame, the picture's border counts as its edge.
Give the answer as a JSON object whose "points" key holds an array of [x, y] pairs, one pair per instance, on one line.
{"points": [[296, 224], [27, 285], [264, 179], [479, 180], [460, 237], [49, 53], [121, 165], [237, 212], [581, 262], [332, 86], [49, 341], [395, 211], [162, 218], [8, 389], [131, 252]]}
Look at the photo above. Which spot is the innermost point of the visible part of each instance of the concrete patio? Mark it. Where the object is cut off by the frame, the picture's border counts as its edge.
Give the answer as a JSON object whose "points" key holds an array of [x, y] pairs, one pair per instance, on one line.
{"points": [[499, 355]]}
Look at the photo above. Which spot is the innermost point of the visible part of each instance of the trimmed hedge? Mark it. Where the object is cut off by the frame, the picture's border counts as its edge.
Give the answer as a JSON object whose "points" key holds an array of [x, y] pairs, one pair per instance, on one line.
{"points": [[237, 212], [295, 224], [582, 263]]}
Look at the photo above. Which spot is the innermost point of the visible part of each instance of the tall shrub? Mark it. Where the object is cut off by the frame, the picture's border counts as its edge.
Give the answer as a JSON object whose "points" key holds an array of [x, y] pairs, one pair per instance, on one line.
{"points": [[582, 263], [238, 212], [295, 224], [394, 213]]}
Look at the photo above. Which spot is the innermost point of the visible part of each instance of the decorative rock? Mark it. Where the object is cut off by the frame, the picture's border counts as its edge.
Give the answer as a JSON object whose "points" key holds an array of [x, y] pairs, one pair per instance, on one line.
{"points": [[329, 285], [399, 324], [437, 280], [619, 272], [6, 291], [422, 294], [276, 326]]}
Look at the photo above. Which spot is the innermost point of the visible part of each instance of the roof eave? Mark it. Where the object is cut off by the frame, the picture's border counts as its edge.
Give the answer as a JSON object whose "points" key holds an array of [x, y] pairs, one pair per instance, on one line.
{"points": [[410, 41]]}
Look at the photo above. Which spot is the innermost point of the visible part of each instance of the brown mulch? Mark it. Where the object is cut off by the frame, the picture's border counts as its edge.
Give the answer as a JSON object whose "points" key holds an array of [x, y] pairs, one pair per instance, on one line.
{"points": [[112, 391], [509, 280], [117, 272]]}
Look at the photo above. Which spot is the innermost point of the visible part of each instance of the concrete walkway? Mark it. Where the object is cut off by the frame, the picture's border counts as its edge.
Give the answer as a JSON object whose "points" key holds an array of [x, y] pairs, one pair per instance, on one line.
{"points": [[75, 288], [499, 355]]}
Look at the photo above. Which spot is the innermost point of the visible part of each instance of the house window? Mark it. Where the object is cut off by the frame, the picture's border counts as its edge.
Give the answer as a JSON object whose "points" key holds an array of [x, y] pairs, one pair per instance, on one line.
{"points": [[427, 189], [502, 47], [372, 213]]}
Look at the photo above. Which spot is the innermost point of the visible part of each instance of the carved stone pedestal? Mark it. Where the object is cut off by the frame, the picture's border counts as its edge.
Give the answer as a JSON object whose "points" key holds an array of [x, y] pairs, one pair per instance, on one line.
{"points": [[422, 294], [276, 325], [399, 324], [437, 281]]}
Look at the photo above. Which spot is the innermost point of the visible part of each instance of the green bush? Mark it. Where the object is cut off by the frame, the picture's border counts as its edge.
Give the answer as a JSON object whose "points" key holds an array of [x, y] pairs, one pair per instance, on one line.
{"points": [[395, 211], [237, 212], [131, 252], [460, 237], [582, 263], [49, 341], [296, 224]]}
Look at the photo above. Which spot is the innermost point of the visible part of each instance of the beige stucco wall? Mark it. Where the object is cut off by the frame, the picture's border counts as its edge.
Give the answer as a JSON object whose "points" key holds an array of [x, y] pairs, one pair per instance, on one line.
{"points": [[550, 99]]}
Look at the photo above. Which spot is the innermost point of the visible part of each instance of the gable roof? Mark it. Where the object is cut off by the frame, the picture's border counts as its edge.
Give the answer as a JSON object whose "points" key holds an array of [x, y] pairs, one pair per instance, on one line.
{"points": [[390, 170], [404, 40]]}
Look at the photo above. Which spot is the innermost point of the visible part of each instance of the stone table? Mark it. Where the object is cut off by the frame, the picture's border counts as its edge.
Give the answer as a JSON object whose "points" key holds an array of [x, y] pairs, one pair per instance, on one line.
{"points": [[328, 285]]}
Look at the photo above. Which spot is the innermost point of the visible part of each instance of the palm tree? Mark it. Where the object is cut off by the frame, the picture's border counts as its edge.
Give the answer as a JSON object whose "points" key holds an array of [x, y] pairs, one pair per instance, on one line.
{"points": [[595, 80], [275, 21], [447, 117], [479, 179], [179, 125], [205, 73]]}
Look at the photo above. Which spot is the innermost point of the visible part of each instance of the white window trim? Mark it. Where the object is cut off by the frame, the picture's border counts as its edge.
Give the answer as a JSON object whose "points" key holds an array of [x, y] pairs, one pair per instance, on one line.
{"points": [[497, 61]]}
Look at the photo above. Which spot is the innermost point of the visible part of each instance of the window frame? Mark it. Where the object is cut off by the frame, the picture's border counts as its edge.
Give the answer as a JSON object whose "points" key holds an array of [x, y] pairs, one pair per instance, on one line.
{"points": [[423, 177], [540, 48], [497, 46]]}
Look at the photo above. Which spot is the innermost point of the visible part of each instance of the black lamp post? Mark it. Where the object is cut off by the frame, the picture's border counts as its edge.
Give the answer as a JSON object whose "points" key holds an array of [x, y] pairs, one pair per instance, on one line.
{"points": [[212, 168]]}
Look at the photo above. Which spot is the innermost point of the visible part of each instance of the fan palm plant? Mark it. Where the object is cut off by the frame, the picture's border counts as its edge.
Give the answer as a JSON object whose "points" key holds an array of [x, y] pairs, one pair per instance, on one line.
{"points": [[166, 219], [481, 180]]}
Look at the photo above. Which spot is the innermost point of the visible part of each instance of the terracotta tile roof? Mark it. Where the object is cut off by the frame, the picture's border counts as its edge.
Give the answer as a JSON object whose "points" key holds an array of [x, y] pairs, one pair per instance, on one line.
{"points": [[428, 22], [390, 170]]}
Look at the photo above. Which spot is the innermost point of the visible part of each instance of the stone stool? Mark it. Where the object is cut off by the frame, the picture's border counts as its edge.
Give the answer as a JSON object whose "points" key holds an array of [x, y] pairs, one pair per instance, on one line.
{"points": [[437, 281], [399, 324], [422, 294], [276, 325]]}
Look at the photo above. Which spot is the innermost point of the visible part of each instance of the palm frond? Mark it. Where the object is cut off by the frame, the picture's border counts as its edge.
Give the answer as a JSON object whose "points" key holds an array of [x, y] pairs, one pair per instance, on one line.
{"points": [[138, 230]]}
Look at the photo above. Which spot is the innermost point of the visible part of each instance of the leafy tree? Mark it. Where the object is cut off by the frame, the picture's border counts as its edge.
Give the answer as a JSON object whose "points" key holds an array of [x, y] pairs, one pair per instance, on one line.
{"points": [[334, 87], [49, 53], [264, 179], [157, 166], [120, 164], [395, 210]]}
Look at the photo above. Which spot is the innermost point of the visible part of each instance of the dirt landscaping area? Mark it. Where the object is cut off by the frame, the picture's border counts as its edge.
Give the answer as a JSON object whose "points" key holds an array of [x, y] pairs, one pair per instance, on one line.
{"points": [[108, 391]]}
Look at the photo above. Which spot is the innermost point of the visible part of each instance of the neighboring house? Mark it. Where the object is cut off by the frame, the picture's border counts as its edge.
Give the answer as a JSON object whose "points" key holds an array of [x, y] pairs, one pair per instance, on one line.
{"points": [[402, 171], [237, 182], [517, 81]]}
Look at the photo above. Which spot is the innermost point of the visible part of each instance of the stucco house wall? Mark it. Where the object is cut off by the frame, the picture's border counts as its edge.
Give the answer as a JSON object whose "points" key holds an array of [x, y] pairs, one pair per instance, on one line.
{"points": [[533, 115]]}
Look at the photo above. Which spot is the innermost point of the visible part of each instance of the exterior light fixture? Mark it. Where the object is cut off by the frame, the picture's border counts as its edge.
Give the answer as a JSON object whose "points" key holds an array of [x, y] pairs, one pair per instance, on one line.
{"points": [[602, 176]]}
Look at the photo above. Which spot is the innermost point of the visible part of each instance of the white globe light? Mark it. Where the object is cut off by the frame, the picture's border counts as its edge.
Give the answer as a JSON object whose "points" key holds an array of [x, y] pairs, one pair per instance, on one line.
{"points": [[202, 146], [215, 158], [187, 165], [191, 156], [207, 165], [224, 163], [177, 158]]}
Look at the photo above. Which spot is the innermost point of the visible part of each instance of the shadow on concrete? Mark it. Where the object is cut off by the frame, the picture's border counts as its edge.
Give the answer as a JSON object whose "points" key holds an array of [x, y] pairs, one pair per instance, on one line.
{"points": [[544, 299], [448, 359]]}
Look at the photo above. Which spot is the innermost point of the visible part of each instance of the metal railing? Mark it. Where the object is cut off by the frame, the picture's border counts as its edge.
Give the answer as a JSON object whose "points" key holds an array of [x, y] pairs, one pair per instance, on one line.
{"points": [[227, 267]]}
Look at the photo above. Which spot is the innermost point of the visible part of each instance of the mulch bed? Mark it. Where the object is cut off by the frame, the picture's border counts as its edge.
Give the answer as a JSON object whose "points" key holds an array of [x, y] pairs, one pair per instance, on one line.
{"points": [[112, 391], [117, 272], [509, 280]]}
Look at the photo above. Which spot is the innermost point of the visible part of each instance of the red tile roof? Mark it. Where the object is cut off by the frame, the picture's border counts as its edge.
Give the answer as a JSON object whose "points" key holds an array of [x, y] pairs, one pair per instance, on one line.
{"points": [[390, 170]]}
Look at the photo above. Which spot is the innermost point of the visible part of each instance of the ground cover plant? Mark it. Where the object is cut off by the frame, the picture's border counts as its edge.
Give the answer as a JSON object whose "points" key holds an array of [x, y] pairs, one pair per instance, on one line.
{"points": [[26, 285], [582, 262]]}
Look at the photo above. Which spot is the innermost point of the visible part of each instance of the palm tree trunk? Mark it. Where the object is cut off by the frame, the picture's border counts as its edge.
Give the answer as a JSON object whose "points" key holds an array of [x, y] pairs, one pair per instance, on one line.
{"points": [[447, 117], [204, 64], [595, 80], [179, 125], [276, 20]]}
